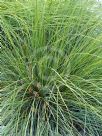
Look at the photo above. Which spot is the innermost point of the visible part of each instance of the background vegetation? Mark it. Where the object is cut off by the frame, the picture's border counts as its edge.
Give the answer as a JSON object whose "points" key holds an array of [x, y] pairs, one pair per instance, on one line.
{"points": [[51, 68]]}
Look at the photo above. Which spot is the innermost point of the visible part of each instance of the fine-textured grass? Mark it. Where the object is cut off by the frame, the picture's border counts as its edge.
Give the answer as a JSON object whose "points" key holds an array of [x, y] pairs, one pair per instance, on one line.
{"points": [[51, 68]]}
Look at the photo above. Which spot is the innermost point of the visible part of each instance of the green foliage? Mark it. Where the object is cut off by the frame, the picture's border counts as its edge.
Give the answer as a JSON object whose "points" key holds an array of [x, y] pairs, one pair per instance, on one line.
{"points": [[51, 68]]}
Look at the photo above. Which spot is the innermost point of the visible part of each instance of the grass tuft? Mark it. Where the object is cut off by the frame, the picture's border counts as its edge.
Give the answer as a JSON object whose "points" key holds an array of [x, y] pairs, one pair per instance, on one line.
{"points": [[51, 68]]}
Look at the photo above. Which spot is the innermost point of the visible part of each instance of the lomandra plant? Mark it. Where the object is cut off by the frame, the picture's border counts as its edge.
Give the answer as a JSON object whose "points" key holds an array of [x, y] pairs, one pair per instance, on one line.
{"points": [[51, 68]]}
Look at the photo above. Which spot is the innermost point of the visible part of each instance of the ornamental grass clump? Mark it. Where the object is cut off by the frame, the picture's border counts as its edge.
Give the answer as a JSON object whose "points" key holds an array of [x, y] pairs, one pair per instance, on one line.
{"points": [[51, 68]]}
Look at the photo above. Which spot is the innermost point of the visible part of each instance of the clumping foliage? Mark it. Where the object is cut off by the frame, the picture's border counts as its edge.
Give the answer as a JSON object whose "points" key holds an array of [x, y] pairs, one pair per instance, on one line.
{"points": [[51, 68]]}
